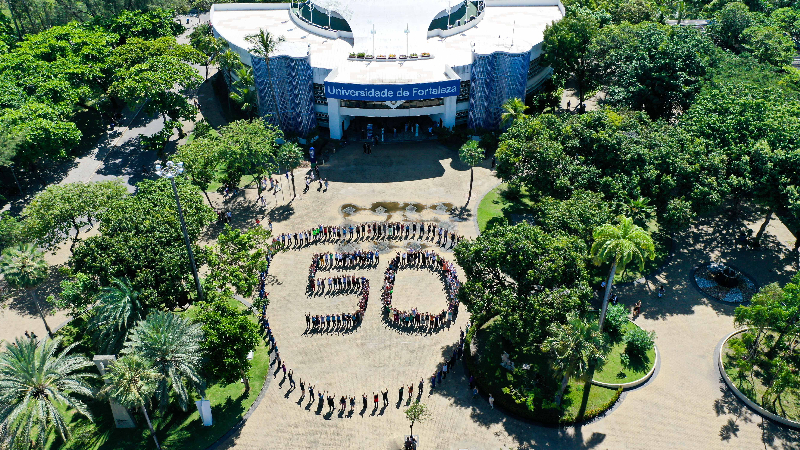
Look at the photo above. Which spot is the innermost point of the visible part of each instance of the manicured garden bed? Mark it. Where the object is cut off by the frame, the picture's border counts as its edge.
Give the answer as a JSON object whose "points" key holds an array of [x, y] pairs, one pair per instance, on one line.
{"points": [[175, 429], [528, 394], [753, 387], [614, 371]]}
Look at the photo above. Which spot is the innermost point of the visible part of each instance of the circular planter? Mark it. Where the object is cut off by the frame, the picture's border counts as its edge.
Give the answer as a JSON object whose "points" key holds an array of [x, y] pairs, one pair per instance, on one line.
{"points": [[751, 404], [636, 383]]}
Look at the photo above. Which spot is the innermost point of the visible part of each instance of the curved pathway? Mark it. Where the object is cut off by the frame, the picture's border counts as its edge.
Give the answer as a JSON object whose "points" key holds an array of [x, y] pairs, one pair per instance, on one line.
{"points": [[685, 407]]}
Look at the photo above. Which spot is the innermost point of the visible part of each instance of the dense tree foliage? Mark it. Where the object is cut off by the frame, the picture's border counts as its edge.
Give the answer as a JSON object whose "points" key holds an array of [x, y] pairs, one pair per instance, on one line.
{"points": [[526, 277], [229, 335], [140, 238]]}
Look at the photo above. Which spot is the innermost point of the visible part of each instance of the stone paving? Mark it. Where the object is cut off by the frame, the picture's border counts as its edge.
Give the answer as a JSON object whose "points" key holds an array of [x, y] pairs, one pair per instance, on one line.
{"points": [[685, 406]]}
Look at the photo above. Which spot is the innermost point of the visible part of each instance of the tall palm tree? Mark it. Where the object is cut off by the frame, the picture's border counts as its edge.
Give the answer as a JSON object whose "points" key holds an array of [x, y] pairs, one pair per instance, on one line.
{"points": [[620, 245], [173, 345], [131, 381], [244, 92], [33, 380], [513, 110], [24, 267], [264, 45], [575, 347], [118, 310], [472, 155]]}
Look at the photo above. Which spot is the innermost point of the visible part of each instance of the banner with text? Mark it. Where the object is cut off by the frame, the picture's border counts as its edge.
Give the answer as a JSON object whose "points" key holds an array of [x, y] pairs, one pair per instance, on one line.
{"points": [[392, 92]]}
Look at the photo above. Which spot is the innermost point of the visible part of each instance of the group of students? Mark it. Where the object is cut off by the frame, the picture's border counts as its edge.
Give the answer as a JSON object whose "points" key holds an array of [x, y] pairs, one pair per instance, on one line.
{"points": [[415, 318], [437, 378], [343, 321], [374, 230], [338, 260]]}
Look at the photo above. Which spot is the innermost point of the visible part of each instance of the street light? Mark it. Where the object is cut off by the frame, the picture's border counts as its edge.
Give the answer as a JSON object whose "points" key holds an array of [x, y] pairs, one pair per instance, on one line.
{"points": [[171, 171], [373, 40], [407, 31]]}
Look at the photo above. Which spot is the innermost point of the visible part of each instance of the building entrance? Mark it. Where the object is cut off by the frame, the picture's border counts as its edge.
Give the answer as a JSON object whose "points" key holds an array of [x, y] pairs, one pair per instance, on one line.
{"points": [[391, 129]]}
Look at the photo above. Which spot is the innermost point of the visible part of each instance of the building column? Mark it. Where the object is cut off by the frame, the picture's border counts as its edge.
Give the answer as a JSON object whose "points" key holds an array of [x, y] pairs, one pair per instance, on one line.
{"points": [[334, 118], [450, 111]]}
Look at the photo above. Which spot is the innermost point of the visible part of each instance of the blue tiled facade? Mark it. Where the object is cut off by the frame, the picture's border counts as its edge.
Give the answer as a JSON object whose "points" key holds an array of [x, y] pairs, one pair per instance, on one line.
{"points": [[293, 81], [495, 78]]}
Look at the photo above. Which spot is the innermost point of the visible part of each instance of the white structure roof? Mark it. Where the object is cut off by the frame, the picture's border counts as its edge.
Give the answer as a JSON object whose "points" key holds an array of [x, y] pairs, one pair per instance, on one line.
{"points": [[505, 25]]}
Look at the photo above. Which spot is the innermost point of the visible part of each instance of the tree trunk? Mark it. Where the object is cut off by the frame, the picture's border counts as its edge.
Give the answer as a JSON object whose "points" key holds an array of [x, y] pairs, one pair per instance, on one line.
{"points": [[294, 189], [246, 382], [77, 233], [41, 313], [471, 179], [149, 425], [14, 174], [763, 226], [411, 431], [607, 294], [564, 382], [207, 197], [580, 97]]}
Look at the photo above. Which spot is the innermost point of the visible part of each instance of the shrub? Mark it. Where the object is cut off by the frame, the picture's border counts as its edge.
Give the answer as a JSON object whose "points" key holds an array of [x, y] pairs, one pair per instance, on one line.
{"points": [[638, 342], [616, 316]]}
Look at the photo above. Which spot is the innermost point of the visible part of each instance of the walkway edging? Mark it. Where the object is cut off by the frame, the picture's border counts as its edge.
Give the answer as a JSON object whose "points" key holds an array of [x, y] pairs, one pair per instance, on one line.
{"points": [[751, 404]]}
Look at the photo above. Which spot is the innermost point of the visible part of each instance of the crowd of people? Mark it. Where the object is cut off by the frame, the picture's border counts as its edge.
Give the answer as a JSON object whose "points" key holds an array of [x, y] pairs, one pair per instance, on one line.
{"points": [[405, 392], [342, 321], [430, 231], [339, 260], [415, 318]]}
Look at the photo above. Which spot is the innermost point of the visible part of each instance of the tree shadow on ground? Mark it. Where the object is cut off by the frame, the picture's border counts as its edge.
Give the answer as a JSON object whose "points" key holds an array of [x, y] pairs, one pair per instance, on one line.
{"points": [[388, 163], [21, 302], [712, 238]]}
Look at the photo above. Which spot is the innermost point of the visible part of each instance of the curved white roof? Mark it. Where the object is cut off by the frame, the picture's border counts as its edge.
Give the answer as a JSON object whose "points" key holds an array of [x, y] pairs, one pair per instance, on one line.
{"points": [[390, 19]]}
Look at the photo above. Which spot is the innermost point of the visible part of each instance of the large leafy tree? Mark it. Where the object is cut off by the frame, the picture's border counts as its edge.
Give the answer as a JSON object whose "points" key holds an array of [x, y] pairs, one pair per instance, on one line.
{"points": [[769, 45], [250, 150], [149, 24], [10, 230], [36, 382], [172, 344], [203, 40], [141, 239], [229, 335], [132, 381], [290, 155], [24, 267], [575, 346], [566, 48], [620, 245], [651, 67], [62, 210], [472, 155], [526, 277], [155, 73], [238, 257], [117, 312], [728, 25], [201, 157]]}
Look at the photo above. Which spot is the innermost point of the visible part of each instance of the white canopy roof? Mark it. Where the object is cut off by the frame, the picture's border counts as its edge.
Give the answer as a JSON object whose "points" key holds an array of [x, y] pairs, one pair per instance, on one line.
{"points": [[390, 19]]}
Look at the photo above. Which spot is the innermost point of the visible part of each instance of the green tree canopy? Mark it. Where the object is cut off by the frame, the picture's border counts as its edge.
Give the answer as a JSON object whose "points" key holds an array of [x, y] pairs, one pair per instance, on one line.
{"points": [[140, 238], [172, 344], [566, 48], [229, 335], [238, 257], [62, 210], [36, 382], [526, 277]]}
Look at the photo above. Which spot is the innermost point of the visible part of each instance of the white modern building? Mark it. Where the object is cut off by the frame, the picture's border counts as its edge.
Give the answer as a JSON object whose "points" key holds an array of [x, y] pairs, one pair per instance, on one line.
{"points": [[391, 63]]}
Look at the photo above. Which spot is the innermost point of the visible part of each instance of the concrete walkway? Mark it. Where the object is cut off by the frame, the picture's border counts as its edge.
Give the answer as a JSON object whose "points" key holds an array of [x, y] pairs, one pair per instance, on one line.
{"points": [[684, 407]]}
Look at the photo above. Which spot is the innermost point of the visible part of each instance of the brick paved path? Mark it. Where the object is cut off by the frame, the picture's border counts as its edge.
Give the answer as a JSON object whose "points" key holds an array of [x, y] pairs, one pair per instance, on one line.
{"points": [[684, 407]]}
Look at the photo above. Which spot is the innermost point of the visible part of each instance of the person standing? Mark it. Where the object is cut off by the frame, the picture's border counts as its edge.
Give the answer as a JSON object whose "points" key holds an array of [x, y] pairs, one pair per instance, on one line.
{"points": [[375, 399], [385, 397], [400, 394], [491, 401]]}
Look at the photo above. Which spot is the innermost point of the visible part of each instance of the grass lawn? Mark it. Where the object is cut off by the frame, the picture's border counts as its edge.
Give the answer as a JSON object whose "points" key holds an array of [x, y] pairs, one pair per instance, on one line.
{"points": [[753, 387], [613, 371], [175, 429], [529, 393], [495, 206]]}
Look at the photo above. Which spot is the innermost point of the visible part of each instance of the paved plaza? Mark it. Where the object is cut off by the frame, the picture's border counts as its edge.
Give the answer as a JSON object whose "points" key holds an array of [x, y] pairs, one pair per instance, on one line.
{"points": [[685, 406]]}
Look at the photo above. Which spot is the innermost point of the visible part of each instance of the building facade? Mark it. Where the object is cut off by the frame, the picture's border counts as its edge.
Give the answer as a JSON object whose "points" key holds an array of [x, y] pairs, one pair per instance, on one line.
{"points": [[348, 63]]}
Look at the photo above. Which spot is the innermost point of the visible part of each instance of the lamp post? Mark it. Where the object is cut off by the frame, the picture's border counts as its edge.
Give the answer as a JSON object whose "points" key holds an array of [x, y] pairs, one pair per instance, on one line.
{"points": [[171, 171], [373, 40], [407, 31]]}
